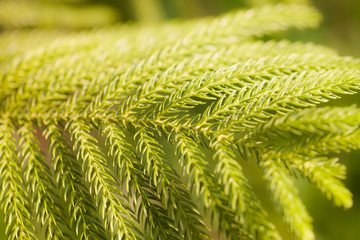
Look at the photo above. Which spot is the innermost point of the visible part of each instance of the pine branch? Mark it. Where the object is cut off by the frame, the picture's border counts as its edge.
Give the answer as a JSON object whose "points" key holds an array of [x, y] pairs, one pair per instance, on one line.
{"points": [[285, 195], [169, 187], [13, 197], [202, 181], [245, 204], [172, 104], [160, 218], [81, 209], [111, 202], [317, 130], [200, 35], [171, 100], [39, 184], [251, 106], [326, 175]]}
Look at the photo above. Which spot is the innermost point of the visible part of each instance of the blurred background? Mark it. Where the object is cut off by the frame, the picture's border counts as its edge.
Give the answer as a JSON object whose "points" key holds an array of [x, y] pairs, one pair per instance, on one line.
{"points": [[340, 30]]}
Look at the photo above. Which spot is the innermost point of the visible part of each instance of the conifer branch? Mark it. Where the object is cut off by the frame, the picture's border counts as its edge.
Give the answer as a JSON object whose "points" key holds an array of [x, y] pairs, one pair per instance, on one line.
{"points": [[118, 217], [326, 174], [173, 194], [285, 195], [131, 176], [202, 181], [244, 203], [314, 130], [40, 188], [147, 127], [81, 209], [14, 199]]}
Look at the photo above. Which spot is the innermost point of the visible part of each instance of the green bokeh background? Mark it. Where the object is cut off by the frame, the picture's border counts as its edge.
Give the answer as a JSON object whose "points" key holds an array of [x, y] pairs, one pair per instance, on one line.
{"points": [[340, 30]]}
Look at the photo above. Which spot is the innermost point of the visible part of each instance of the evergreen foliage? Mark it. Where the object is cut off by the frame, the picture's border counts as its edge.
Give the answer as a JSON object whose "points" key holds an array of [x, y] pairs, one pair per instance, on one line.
{"points": [[139, 132]]}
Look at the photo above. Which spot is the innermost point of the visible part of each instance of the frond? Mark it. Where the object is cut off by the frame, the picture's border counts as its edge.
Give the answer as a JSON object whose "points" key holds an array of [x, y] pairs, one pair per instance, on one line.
{"points": [[173, 38], [14, 199], [39, 185], [173, 194], [279, 96], [244, 203], [317, 130], [84, 220], [285, 195], [203, 182], [147, 127], [326, 174], [153, 216], [161, 218], [117, 214]]}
